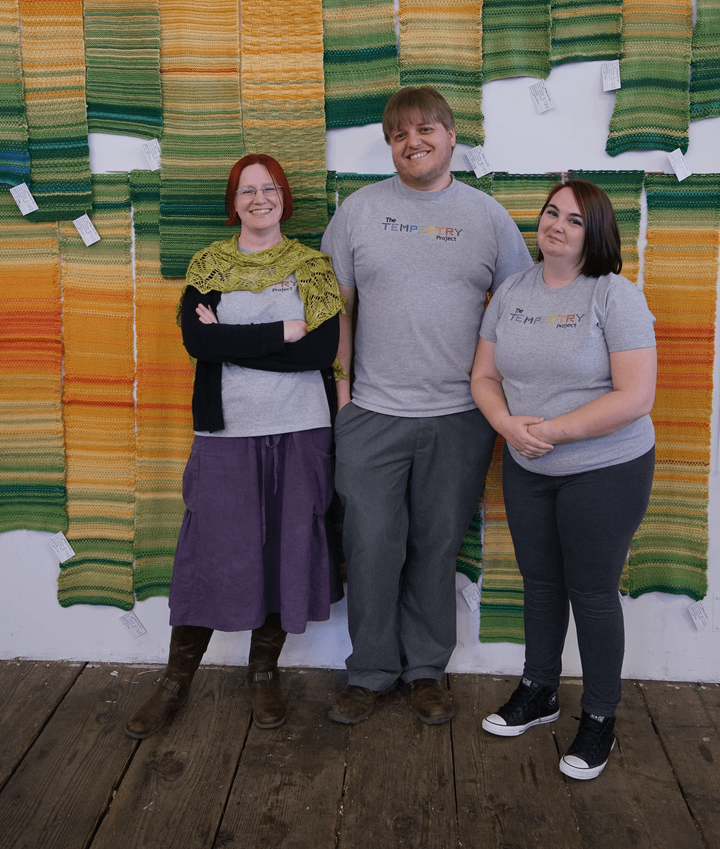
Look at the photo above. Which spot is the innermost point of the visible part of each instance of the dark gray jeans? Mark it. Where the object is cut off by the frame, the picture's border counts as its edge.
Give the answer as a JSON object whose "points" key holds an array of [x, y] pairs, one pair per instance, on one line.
{"points": [[409, 487]]}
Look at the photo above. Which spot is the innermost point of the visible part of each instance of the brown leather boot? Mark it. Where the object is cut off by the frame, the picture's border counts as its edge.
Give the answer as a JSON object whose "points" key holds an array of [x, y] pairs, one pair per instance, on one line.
{"points": [[268, 702], [187, 647]]}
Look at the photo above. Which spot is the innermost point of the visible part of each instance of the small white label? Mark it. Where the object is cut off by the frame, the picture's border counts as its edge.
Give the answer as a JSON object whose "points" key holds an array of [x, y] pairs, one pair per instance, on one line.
{"points": [[541, 96], [23, 198], [611, 75], [87, 230], [133, 624], [478, 162], [472, 596], [61, 547], [152, 153], [699, 617], [679, 165]]}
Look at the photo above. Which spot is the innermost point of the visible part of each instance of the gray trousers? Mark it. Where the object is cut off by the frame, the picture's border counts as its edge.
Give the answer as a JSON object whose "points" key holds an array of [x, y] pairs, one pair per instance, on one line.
{"points": [[409, 487]]}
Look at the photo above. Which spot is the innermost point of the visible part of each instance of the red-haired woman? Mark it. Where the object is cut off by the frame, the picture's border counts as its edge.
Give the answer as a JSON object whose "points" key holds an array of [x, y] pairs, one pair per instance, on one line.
{"points": [[259, 314], [565, 371]]}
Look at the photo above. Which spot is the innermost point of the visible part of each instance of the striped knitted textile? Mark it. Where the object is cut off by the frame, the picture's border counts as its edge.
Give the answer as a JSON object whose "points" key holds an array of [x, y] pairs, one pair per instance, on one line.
{"points": [[14, 152], [669, 552], [515, 39], [624, 188], [331, 190], [32, 453], [705, 78], [483, 184], [164, 389], [122, 52], [283, 95], [441, 45], [349, 183], [53, 60], [361, 60], [585, 30], [652, 109], [98, 403], [202, 132], [469, 560], [523, 195]]}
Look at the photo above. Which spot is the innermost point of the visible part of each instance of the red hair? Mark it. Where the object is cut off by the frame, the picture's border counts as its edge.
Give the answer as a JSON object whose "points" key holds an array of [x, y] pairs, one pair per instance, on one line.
{"points": [[278, 177]]}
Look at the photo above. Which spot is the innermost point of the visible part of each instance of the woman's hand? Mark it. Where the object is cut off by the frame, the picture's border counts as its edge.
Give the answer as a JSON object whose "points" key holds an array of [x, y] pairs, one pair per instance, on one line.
{"points": [[205, 314], [517, 433], [294, 330]]}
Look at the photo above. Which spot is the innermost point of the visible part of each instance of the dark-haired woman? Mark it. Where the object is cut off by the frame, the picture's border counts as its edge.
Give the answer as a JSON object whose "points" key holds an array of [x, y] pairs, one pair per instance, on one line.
{"points": [[565, 371], [259, 314]]}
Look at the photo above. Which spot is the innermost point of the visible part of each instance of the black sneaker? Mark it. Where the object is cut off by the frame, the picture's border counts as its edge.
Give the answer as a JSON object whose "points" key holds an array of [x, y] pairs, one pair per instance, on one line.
{"points": [[530, 704], [589, 753]]}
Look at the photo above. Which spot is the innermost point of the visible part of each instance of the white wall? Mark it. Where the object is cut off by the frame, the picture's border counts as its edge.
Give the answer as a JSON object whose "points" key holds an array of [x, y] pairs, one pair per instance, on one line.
{"points": [[662, 641]]}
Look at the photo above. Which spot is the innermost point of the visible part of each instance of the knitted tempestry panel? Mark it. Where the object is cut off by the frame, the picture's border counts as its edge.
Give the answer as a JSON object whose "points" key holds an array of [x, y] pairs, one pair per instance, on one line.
{"points": [[515, 39], [469, 560], [523, 195], [669, 552], [361, 60], [349, 183], [331, 191], [202, 132], [441, 45], [53, 60], [652, 107], [122, 52], [624, 188], [98, 403], [585, 30], [14, 152], [32, 453], [164, 389], [705, 78], [283, 96], [483, 184]]}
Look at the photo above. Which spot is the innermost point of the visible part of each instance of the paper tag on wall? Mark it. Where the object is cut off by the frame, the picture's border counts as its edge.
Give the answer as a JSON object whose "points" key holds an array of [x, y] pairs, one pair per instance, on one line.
{"points": [[87, 230], [699, 617], [23, 198], [152, 153], [61, 547], [134, 626], [472, 596], [478, 162], [541, 96], [679, 165], [611, 75]]}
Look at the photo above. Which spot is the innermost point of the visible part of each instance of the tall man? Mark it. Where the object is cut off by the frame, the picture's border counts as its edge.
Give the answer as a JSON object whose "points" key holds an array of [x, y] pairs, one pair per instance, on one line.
{"points": [[416, 254]]}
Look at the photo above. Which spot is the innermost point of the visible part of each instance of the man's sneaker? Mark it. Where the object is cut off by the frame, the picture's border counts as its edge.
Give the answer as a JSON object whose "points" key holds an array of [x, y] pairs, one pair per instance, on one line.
{"points": [[530, 704], [589, 753]]}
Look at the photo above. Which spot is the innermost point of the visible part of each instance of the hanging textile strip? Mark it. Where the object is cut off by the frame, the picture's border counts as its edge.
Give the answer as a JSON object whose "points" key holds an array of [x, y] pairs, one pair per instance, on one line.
{"points": [[14, 152], [349, 183], [164, 390], [361, 60], [652, 109], [202, 124], [483, 184], [98, 402], [469, 561], [122, 52], [441, 45], [53, 60], [669, 552], [331, 191], [705, 77], [523, 195], [32, 453], [283, 95], [515, 39], [624, 188], [585, 30]]}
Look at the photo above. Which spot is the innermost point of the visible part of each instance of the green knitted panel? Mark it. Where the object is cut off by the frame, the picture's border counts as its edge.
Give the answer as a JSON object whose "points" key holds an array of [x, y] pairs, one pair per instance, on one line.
{"points": [[331, 191], [483, 184], [516, 39], [349, 183], [14, 151], [585, 30], [705, 79], [469, 560]]}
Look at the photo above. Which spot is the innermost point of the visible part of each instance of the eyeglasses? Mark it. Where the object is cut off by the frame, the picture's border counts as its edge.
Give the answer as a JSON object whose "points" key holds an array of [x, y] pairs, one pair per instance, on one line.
{"points": [[270, 192]]}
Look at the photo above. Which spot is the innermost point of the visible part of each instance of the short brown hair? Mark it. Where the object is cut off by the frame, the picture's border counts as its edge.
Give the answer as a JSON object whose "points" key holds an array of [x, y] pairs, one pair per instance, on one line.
{"points": [[601, 247], [425, 99], [277, 174]]}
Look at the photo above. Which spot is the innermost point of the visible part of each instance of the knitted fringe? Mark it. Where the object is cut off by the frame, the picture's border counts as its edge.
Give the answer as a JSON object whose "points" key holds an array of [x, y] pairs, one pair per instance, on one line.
{"points": [[441, 45], [585, 30], [98, 403], [705, 79], [122, 52], [32, 453], [202, 133], [516, 39], [523, 195], [669, 552], [361, 60], [652, 109], [53, 59], [14, 151]]}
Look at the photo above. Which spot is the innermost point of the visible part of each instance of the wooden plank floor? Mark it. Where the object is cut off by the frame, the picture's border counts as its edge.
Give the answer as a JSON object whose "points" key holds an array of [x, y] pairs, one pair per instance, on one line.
{"points": [[71, 779]]}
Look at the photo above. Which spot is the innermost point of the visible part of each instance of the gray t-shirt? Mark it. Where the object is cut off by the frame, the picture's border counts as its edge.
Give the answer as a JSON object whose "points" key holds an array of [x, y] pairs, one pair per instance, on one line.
{"points": [[422, 263], [553, 346]]}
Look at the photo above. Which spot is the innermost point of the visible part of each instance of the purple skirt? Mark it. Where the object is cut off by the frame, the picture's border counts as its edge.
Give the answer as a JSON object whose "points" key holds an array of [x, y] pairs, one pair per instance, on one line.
{"points": [[253, 539]]}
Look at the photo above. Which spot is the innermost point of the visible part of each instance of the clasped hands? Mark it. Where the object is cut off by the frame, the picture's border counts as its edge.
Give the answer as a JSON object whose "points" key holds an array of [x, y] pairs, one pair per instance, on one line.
{"points": [[527, 436]]}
